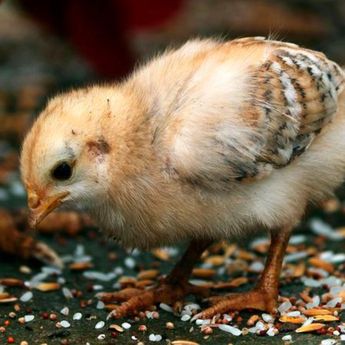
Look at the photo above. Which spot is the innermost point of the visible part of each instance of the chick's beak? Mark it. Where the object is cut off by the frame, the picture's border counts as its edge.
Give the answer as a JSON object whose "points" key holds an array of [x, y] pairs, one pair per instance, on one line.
{"points": [[40, 208]]}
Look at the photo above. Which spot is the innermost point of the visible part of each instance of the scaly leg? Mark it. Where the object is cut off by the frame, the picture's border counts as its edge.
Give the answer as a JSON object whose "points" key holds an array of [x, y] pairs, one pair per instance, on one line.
{"points": [[171, 290], [265, 294]]}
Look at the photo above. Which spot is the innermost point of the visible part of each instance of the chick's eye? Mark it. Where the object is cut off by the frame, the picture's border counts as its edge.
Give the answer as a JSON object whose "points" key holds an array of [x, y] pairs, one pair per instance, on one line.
{"points": [[62, 172]]}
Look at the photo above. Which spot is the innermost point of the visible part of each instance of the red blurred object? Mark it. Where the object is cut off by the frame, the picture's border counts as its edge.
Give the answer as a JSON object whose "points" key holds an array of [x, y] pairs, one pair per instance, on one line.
{"points": [[100, 30]]}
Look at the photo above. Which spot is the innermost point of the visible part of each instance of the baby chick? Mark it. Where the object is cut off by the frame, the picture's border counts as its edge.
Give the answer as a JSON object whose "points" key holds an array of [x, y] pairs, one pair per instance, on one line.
{"points": [[210, 141]]}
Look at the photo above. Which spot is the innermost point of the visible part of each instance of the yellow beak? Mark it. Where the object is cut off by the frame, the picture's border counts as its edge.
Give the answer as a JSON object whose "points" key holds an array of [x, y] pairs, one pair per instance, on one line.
{"points": [[39, 209]]}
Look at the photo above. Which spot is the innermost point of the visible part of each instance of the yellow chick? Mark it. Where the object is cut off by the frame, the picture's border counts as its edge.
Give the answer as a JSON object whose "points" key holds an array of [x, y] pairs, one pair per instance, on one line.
{"points": [[212, 141]]}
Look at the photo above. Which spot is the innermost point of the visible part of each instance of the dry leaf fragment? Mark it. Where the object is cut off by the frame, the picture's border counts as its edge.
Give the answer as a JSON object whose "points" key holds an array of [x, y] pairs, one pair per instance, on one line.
{"points": [[310, 328]]}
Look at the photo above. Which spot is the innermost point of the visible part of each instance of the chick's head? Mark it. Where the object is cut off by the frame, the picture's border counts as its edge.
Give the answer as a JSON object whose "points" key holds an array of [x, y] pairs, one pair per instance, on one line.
{"points": [[64, 156]]}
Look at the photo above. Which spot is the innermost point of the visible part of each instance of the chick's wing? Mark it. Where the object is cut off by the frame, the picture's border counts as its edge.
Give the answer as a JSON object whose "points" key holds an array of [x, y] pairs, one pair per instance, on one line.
{"points": [[257, 111]]}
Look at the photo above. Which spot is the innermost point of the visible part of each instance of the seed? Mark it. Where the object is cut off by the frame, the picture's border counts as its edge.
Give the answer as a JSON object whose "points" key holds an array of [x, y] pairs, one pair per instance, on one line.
{"points": [[292, 319], [142, 328], [46, 287], [207, 330], [52, 316], [238, 281], [4, 295], [65, 324], [77, 316], [315, 311], [310, 328], [203, 272], [116, 327], [99, 324], [11, 282], [126, 325], [161, 254], [148, 274], [184, 342], [252, 320], [169, 325], [80, 266], [244, 255], [25, 269], [144, 283], [215, 260], [8, 300], [28, 318], [328, 267], [26, 297], [127, 281], [326, 318]]}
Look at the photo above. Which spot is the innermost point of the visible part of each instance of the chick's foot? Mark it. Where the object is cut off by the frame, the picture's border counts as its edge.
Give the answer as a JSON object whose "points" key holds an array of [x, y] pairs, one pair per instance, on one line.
{"points": [[135, 300], [258, 299]]}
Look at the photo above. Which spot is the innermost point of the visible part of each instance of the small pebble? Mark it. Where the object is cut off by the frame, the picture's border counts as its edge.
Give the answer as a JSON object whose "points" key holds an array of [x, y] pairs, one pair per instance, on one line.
{"points": [[101, 337]]}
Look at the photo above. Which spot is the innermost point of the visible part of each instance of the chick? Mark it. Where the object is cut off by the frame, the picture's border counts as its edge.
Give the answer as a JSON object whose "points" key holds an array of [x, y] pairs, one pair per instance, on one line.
{"points": [[214, 140]]}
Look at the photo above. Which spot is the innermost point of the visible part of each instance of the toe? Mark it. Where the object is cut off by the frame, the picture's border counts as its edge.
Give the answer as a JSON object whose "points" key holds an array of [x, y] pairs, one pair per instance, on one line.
{"points": [[119, 296]]}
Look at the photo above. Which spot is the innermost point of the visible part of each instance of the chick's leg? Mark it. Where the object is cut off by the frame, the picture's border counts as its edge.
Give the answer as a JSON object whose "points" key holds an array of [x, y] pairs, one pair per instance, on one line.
{"points": [[265, 294], [172, 289]]}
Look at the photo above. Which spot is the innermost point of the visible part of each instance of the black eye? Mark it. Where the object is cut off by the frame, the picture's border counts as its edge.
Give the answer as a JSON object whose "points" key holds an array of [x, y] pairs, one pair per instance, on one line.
{"points": [[62, 172]]}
